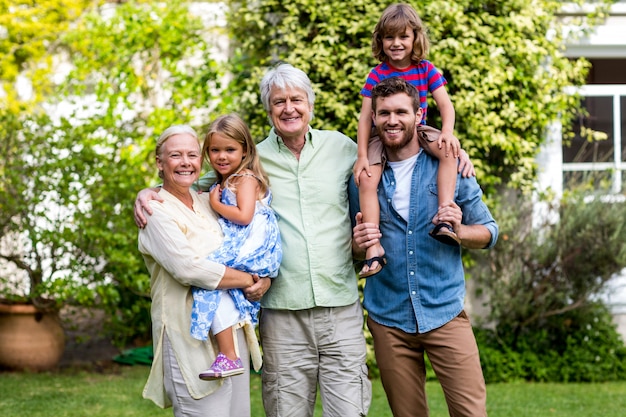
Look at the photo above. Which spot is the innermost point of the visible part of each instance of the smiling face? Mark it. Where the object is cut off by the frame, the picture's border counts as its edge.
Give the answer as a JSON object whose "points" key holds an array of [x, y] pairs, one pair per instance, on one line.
{"points": [[180, 162], [225, 154], [398, 47], [396, 123], [290, 112]]}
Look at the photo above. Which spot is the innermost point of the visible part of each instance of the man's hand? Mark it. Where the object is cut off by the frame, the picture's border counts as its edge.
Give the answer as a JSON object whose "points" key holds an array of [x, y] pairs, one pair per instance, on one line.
{"points": [[466, 167], [141, 204], [258, 289], [473, 236], [449, 213], [364, 235]]}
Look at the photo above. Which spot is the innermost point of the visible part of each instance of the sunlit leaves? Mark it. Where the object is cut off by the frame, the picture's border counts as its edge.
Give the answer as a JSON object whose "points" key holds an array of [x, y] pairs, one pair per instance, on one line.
{"points": [[503, 60], [71, 168]]}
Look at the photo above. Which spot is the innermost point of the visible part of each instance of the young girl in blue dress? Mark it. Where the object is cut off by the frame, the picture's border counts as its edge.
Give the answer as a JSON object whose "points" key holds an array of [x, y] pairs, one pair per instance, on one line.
{"points": [[241, 196]]}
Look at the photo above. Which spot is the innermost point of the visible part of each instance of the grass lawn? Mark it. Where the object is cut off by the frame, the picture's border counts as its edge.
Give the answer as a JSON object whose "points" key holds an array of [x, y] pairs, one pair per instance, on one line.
{"points": [[116, 392]]}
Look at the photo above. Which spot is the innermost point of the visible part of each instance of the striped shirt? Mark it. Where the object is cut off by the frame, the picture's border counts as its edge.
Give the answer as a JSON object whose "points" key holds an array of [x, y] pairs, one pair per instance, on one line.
{"points": [[424, 76]]}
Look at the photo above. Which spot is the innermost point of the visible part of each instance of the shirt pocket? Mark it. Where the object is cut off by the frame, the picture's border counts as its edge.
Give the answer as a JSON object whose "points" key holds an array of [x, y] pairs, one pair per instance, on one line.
{"points": [[432, 200]]}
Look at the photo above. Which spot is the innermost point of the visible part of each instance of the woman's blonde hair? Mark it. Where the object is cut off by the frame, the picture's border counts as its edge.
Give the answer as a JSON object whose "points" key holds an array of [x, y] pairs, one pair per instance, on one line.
{"points": [[168, 133], [394, 20], [233, 127]]}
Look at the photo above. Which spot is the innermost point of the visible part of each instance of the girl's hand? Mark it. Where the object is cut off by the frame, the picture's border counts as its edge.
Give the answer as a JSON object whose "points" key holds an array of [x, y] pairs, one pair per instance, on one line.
{"points": [[451, 144], [215, 196], [361, 164]]}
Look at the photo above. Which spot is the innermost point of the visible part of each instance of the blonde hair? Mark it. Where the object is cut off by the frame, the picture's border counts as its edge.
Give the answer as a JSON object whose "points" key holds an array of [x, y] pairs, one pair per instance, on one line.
{"points": [[394, 20], [168, 133], [233, 127]]}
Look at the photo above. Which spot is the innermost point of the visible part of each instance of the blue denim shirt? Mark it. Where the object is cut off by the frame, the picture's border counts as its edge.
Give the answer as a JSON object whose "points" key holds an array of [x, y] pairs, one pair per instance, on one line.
{"points": [[422, 287]]}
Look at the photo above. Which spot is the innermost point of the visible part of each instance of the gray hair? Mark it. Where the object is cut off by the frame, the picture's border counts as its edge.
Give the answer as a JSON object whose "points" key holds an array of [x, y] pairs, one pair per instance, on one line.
{"points": [[285, 76], [171, 131]]}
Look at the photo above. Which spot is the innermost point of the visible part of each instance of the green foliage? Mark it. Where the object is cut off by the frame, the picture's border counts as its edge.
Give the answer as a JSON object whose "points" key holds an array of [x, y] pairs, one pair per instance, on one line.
{"points": [[74, 167], [556, 266], [503, 60], [27, 29], [329, 40], [540, 284], [577, 346]]}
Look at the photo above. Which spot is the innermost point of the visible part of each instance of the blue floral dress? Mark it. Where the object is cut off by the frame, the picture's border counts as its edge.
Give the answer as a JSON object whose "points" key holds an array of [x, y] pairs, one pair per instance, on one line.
{"points": [[254, 248]]}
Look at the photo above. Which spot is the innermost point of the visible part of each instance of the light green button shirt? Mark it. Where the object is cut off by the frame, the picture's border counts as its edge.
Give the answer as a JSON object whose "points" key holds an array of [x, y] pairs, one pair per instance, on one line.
{"points": [[311, 202]]}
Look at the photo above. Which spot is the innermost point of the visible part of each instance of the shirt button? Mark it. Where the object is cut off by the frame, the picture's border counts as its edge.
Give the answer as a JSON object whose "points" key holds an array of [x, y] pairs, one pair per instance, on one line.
{"points": [[410, 252], [410, 232], [411, 273], [413, 293]]}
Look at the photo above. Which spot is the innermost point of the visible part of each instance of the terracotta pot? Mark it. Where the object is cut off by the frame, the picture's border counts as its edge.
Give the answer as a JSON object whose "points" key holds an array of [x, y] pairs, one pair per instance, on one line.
{"points": [[30, 339]]}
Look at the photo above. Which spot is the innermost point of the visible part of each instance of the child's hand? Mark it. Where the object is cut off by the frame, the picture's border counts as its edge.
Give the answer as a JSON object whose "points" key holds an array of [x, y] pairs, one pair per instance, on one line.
{"points": [[361, 164], [451, 143], [215, 196]]}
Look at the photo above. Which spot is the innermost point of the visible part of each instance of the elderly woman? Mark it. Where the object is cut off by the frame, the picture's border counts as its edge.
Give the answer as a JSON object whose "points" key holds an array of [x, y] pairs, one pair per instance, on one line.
{"points": [[183, 230]]}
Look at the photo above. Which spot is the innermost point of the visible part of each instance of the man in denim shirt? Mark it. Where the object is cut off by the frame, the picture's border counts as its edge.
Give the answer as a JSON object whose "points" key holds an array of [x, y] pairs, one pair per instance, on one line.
{"points": [[415, 303]]}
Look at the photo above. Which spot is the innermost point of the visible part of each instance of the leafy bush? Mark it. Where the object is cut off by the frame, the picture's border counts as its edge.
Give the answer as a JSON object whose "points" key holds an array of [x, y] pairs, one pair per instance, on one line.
{"points": [[506, 73], [74, 164], [578, 346], [541, 284]]}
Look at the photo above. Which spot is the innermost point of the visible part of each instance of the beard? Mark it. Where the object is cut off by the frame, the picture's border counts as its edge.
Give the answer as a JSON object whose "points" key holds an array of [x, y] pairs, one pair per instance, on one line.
{"points": [[397, 143]]}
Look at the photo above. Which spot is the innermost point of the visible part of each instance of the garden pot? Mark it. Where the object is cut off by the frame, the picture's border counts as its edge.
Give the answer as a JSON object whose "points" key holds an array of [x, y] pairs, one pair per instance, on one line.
{"points": [[30, 339]]}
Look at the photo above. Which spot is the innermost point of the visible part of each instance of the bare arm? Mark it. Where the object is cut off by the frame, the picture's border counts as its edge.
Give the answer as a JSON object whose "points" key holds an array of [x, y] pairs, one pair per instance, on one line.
{"points": [[474, 236], [247, 192], [446, 110], [364, 235], [362, 139], [166, 246], [260, 287], [235, 279]]}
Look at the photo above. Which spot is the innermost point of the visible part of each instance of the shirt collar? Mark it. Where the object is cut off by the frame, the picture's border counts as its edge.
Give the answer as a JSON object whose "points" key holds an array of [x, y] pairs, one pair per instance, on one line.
{"points": [[281, 144]]}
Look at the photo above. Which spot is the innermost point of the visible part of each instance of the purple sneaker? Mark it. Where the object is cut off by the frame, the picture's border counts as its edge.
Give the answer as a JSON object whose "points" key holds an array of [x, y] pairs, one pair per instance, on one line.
{"points": [[222, 368]]}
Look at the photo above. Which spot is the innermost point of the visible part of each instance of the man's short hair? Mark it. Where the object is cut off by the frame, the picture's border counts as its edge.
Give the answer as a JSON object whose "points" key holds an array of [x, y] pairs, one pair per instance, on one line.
{"points": [[284, 76], [395, 85]]}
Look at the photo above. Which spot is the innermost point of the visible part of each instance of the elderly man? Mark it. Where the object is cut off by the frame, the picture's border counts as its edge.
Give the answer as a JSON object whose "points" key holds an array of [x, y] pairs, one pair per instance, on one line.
{"points": [[415, 304], [311, 323]]}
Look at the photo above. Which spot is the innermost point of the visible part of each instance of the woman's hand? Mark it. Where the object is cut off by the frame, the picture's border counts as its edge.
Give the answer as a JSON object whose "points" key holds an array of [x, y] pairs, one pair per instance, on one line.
{"points": [[258, 289]]}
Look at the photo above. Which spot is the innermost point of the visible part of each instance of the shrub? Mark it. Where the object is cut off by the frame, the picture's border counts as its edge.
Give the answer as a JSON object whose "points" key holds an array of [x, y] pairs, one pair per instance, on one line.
{"points": [[541, 285]]}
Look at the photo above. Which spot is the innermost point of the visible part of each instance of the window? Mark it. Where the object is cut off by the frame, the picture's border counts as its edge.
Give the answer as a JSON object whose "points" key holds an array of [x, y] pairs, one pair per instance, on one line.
{"points": [[597, 154]]}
